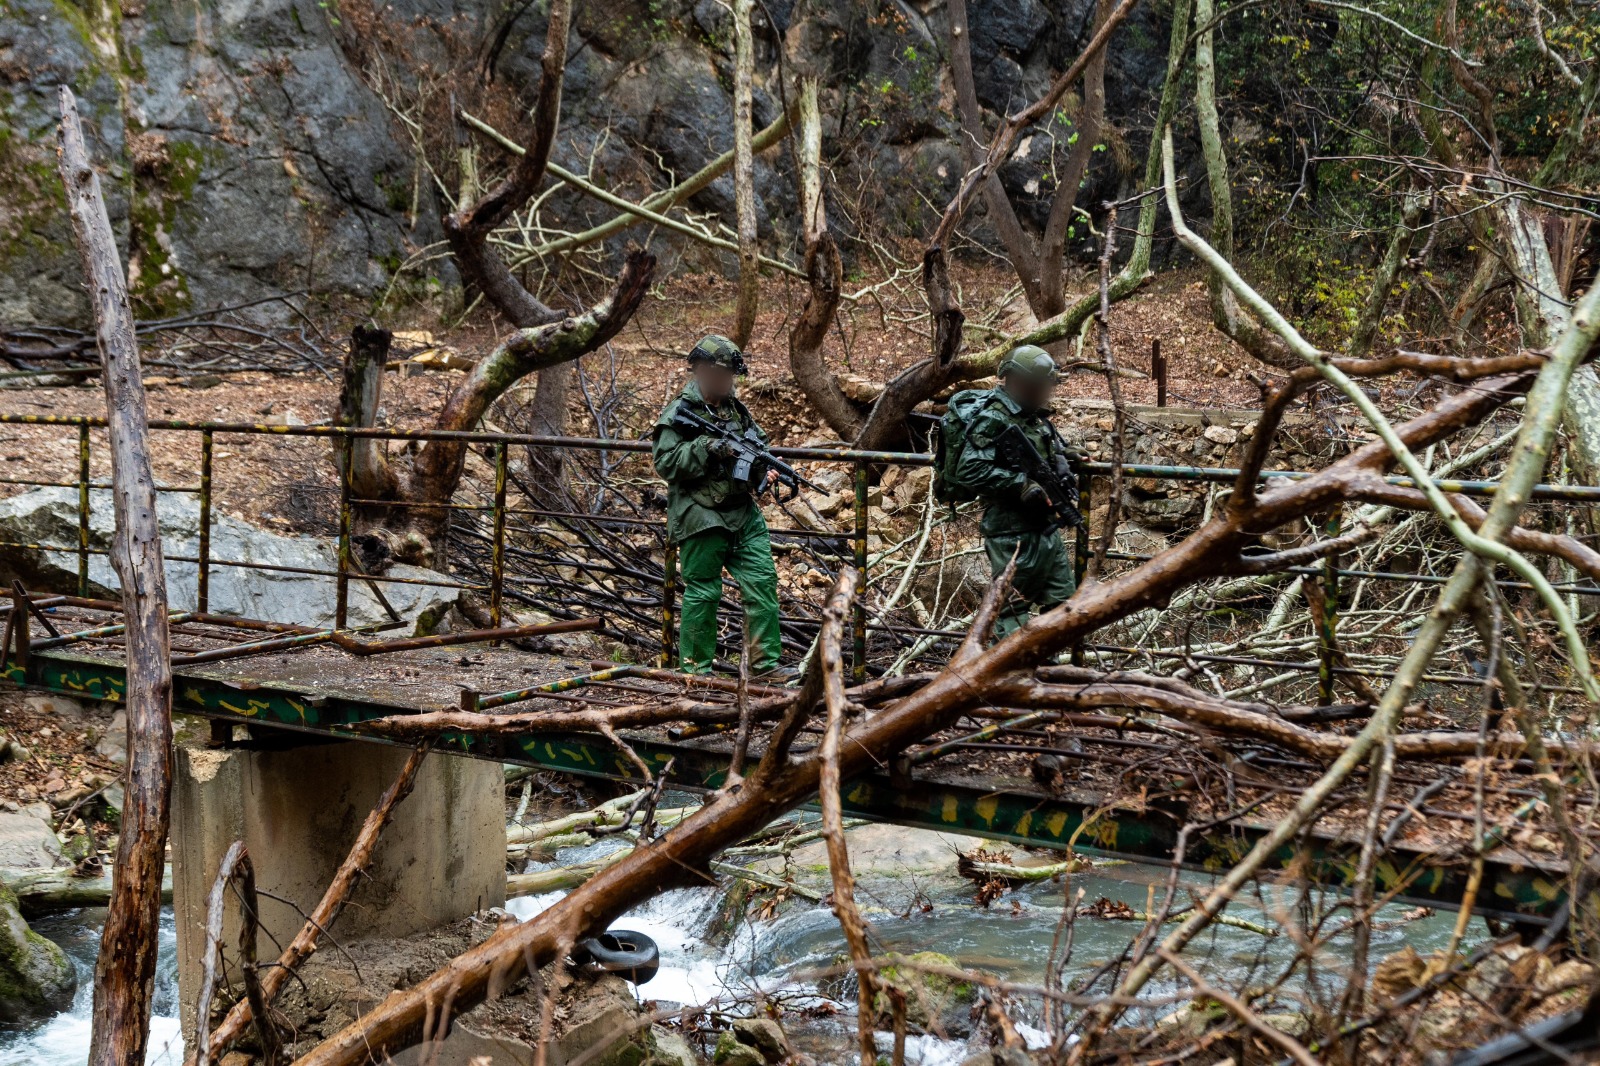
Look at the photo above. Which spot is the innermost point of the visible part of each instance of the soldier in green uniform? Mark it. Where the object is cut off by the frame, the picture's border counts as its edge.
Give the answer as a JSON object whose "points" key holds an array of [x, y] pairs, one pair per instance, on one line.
{"points": [[1016, 517], [714, 521]]}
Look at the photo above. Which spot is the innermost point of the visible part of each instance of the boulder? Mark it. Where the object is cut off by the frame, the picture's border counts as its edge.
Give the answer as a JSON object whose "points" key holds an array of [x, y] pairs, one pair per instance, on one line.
{"points": [[935, 1002], [765, 1035], [600, 1025], [112, 799], [51, 705], [669, 1048], [890, 851], [959, 581], [27, 840], [1161, 511], [49, 516], [113, 744], [731, 1051], [36, 977]]}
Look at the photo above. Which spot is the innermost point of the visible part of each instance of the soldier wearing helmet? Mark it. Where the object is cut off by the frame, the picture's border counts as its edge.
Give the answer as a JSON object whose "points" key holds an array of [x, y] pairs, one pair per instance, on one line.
{"points": [[715, 522], [1016, 515]]}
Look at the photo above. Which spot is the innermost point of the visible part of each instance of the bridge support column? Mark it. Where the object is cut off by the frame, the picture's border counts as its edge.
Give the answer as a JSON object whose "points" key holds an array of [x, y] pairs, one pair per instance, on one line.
{"points": [[298, 810]]}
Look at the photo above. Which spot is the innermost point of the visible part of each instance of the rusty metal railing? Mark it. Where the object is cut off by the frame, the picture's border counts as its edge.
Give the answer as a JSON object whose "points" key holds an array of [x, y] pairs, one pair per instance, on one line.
{"points": [[861, 462]]}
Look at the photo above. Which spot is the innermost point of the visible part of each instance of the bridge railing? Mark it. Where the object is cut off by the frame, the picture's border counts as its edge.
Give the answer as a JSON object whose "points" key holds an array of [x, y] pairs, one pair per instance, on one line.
{"points": [[856, 533]]}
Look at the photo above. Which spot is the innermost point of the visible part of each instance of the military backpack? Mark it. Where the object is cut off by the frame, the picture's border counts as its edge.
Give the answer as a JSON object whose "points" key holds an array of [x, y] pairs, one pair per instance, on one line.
{"points": [[952, 441]]}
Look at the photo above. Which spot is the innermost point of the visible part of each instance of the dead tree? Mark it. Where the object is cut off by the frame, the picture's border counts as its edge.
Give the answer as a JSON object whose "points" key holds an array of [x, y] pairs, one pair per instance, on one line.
{"points": [[1039, 262], [124, 973], [744, 175], [546, 342], [1226, 314], [824, 272], [886, 425]]}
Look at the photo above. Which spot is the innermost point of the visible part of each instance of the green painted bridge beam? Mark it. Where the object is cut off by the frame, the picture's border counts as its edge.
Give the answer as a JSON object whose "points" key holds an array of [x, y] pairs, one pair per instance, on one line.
{"points": [[1512, 890]]}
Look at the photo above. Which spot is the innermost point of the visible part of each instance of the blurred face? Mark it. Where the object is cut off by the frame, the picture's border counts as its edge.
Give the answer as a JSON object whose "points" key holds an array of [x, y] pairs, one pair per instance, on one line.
{"points": [[1031, 393], [716, 382]]}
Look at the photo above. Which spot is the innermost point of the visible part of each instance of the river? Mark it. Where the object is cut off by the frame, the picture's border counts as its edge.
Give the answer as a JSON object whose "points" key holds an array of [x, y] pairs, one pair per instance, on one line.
{"points": [[1011, 939]]}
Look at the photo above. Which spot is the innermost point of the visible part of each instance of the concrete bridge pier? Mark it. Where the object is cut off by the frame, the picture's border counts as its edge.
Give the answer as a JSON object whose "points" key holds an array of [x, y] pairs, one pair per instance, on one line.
{"points": [[298, 810]]}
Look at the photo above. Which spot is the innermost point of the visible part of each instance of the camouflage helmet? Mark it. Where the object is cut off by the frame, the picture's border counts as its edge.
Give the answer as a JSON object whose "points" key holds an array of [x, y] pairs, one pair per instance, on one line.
{"points": [[1029, 360], [717, 349]]}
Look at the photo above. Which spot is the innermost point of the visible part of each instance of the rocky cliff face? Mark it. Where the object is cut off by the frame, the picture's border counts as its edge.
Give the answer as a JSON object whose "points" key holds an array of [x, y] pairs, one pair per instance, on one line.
{"points": [[247, 152], [244, 155]]}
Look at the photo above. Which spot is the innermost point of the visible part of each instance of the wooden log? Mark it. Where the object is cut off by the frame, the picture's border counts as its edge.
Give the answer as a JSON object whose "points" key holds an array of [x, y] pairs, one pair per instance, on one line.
{"points": [[124, 975], [980, 870], [49, 891], [559, 879], [359, 395], [744, 176], [851, 923]]}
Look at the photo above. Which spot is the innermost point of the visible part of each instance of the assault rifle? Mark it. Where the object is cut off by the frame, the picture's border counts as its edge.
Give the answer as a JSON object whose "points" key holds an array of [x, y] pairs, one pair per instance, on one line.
{"points": [[1016, 452], [751, 458]]}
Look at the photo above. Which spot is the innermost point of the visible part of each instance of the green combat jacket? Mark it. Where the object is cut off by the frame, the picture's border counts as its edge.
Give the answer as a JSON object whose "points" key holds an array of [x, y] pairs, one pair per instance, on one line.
{"points": [[700, 495], [999, 487]]}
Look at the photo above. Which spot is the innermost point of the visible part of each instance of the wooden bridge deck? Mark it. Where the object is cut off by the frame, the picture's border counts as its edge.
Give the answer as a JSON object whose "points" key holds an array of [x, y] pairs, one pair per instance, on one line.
{"points": [[1110, 793]]}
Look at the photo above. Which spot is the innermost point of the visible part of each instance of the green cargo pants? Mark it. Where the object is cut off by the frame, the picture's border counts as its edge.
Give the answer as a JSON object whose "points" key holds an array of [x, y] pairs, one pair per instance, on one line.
{"points": [[747, 557], [1045, 576]]}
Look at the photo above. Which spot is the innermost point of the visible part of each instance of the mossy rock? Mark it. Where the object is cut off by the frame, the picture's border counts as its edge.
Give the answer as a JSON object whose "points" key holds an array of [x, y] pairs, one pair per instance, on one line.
{"points": [[935, 1002], [36, 977], [730, 1052]]}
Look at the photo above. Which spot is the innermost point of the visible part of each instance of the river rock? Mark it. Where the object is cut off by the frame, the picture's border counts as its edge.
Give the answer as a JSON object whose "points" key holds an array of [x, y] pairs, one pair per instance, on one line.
{"points": [[50, 516], [731, 1051], [890, 851], [52, 705], [935, 1002], [27, 840], [999, 1056], [669, 1048], [36, 977], [765, 1035]]}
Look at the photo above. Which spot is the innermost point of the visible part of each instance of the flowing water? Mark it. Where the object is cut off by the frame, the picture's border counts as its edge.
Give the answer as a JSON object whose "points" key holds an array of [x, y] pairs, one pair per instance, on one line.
{"points": [[1011, 939], [64, 1039]]}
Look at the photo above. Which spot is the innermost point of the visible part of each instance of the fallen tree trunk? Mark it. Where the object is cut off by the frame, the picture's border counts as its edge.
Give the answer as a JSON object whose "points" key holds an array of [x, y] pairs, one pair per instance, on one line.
{"points": [[1228, 718], [52, 891], [781, 782], [124, 973]]}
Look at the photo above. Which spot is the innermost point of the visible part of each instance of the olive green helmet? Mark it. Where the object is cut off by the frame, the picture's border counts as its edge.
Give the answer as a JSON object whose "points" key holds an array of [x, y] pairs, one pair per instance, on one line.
{"points": [[717, 349], [1029, 360]]}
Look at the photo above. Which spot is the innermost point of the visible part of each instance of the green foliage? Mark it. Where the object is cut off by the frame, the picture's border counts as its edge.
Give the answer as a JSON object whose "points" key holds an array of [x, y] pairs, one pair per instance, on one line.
{"points": [[1320, 107]]}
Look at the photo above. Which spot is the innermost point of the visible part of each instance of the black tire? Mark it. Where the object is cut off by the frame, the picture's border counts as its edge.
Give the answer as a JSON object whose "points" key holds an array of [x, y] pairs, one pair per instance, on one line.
{"points": [[632, 956]]}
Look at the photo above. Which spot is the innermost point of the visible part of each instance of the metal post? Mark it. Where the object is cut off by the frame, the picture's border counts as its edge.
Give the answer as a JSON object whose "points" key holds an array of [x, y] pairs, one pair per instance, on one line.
{"points": [[669, 594], [1327, 644], [203, 578], [497, 566], [859, 658], [341, 610], [1158, 370], [83, 510], [1080, 539]]}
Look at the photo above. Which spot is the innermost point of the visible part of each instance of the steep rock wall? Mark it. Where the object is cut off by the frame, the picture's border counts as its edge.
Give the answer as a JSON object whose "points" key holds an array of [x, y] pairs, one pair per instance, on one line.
{"points": [[246, 152]]}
